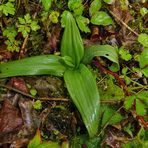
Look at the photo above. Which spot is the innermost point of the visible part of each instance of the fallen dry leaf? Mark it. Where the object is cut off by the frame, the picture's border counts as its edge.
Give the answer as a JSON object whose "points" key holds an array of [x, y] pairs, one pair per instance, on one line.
{"points": [[19, 84], [10, 118], [114, 137], [29, 118]]}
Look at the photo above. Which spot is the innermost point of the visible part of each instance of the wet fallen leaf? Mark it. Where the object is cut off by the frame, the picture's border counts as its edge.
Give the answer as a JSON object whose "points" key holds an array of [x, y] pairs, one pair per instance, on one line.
{"points": [[19, 143], [95, 36], [10, 118], [114, 137], [29, 118], [4, 54], [19, 84], [53, 40], [122, 14]]}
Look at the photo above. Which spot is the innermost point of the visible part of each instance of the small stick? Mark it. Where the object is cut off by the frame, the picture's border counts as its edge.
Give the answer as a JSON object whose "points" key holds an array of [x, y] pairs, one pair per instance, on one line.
{"points": [[25, 42], [129, 28], [18, 91], [32, 97], [54, 99]]}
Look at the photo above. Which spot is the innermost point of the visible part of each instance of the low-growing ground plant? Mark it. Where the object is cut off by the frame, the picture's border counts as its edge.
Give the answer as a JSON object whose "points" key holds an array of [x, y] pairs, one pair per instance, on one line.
{"points": [[79, 80]]}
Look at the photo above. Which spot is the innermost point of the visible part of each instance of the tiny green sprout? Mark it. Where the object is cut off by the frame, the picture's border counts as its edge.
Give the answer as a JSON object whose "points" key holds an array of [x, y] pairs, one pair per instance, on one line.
{"points": [[8, 8], [143, 39], [12, 44], [37, 105], [26, 25], [54, 17], [143, 11], [126, 78], [125, 55], [33, 92]]}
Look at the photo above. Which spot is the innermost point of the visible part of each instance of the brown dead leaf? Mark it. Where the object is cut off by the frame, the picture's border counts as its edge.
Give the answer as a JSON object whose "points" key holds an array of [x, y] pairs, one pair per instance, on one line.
{"points": [[95, 36], [30, 119], [19, 84], [53, 40], [10, 118], [19, 143], [114, 137], [4, 54], [122, 14]]}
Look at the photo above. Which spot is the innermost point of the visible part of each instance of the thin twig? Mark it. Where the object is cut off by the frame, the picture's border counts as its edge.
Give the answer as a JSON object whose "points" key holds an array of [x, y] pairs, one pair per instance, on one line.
{"points": [[129, 28], [54, 99], [18, 91], [25, 42], [110, 101], [32, 97]]}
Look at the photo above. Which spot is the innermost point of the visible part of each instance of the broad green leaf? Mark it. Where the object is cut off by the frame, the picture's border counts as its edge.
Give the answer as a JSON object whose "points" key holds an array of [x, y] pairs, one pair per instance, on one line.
{"points": [[101, 18], [143, 58], [140, 108], [132, 144], [79, 141], [46, 4], [109, 1], [124, 53], [21, 21], [145, 71], [94, 7], [112, 91], [10, 32], [143, 39], [82, 23], [64, 18], [7, 8], [33, 92], [38, 65], [27, 18], [110, 115], [129, 102], [76, 6], [24, 30], [54, 16], [48, 145], [83, 90], [34, 26], [72, 44], [143, 96], [73, 4], [67, 61], [37, 105], [143, 11], [35, 141], [102, 50]]}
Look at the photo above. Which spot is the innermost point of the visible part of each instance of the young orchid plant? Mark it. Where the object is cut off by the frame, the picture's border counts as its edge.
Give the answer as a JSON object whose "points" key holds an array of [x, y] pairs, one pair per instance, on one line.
{"points": [[79, 80]]}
